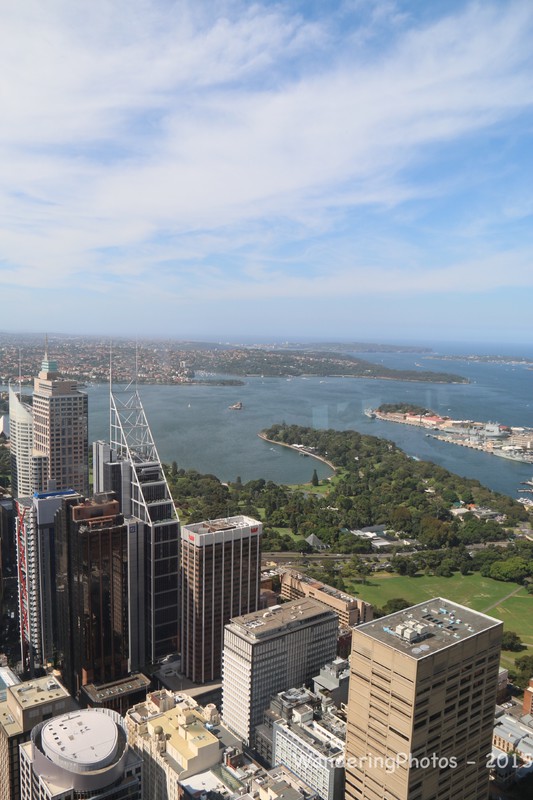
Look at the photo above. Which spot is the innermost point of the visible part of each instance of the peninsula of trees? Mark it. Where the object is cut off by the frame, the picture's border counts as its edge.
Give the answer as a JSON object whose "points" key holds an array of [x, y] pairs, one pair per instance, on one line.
{"points": [[376, 483]]}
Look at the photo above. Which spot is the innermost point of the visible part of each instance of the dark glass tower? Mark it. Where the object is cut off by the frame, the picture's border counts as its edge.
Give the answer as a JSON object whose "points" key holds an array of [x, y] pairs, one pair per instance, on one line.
{"points": [[130, 466], [92, 590]]}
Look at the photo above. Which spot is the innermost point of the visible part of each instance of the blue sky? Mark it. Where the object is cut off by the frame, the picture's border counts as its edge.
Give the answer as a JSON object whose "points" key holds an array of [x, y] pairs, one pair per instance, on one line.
{"points": [[219, 170]]}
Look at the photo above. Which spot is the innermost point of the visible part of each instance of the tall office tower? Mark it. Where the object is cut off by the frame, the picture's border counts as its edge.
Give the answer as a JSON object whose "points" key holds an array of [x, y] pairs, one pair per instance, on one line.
{"points": [[130, 466], [35, 543], [220, 564], [25, 706], [60, 432], [268, 652], [7, 546], [21, 444], [79, 755], [92, 590], [421, 704]]}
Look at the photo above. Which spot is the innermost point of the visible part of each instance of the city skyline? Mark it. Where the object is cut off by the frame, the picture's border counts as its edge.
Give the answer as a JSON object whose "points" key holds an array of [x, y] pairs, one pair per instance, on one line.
{"points": [[355, 171]]}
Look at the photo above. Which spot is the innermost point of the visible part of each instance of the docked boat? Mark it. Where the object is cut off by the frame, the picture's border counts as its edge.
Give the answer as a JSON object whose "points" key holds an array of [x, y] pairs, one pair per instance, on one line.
{"points": [[370, 413]]}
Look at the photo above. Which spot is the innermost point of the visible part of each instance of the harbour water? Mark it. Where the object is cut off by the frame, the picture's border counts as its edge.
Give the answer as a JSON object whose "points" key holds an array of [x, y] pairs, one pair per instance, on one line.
{"points": [[194, 426]]}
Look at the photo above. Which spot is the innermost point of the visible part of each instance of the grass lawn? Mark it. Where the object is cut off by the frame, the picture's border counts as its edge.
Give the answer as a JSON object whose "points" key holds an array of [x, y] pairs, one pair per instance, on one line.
{"points": [[469, 590], [323, 487], [287, 532], [474, 591]]}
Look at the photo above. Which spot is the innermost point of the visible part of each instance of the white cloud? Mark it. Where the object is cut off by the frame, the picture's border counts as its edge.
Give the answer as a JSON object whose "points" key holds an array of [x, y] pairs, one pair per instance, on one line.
{"points": [[139, 136]]}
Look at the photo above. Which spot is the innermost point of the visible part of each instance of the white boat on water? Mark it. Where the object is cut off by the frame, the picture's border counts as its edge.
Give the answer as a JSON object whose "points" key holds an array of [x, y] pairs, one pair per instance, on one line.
{"points": [[370, 413]]}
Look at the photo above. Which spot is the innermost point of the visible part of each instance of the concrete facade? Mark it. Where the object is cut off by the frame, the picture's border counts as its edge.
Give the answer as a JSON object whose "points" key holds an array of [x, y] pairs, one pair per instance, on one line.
{"points": [[421, 704], [350, 610], [219, 579], [269, 651]]}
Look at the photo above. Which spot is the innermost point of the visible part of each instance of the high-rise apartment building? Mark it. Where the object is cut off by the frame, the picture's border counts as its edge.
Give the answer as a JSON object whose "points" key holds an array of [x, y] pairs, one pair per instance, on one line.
{"points": [[25, 706], [60, 432], [421, 704], [130, 466], [269, 651], [220, 564], [79, 755], [35, 542], [92, 590]]}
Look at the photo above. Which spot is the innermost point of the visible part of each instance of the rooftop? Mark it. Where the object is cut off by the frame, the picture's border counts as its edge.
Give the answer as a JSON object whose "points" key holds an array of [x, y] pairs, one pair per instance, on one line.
{"points": [[426, 628], [322, 587], [35, 692], [282, 783], [521, 736], [261, 624], [327, 740], [99, 694], [88, 739], [222, 524], [185, 732]]}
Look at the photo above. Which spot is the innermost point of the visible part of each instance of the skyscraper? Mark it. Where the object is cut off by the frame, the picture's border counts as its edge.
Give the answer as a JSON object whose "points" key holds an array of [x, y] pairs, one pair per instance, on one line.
{"points": [[219, 577], [60, 432], [92, 590], [35, 542], [130, 466], [268, 652], [421, 704], [21, 444]]}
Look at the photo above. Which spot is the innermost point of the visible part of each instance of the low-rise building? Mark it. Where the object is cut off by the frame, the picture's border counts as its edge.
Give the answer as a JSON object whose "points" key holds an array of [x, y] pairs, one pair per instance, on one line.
{"points": [[527, 707], [117, 695], [305, 732], [281, 783], [350, 610], [313, 749], [333, 681], [171, 734], [281, 706], [516, 740]]}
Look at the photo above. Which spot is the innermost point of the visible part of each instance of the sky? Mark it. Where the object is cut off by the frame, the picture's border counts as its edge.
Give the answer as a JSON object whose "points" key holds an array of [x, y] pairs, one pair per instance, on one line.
{"points": [[353, 170]]}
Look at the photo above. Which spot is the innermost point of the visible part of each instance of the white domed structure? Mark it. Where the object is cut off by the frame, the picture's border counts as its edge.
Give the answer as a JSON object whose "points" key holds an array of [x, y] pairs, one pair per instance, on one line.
{"points": [[81, 752]]}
